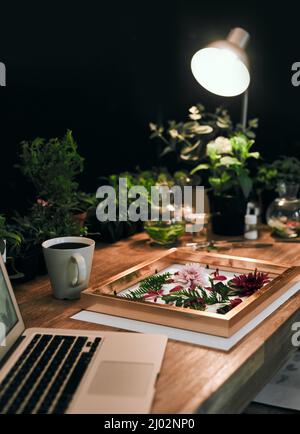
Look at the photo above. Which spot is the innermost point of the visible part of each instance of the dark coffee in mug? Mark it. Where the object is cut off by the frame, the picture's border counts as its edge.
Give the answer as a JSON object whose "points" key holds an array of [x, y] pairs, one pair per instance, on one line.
{"points": [[69, 263], [68, 246]]}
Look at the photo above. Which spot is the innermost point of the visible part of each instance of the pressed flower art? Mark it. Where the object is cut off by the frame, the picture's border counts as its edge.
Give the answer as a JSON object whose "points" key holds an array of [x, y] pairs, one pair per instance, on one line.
{"points": [[194, 287]]}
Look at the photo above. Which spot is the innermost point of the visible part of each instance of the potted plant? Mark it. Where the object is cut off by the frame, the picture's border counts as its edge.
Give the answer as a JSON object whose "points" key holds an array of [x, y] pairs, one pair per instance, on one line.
{"points": [[223, 151], [52, 167], [84, 204], [229, 180], [112, 231], [44, 221], [270, 176], [188, 139]]}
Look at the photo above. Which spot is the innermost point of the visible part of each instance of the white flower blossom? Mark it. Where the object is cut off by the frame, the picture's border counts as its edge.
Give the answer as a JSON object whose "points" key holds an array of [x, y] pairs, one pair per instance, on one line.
{"points": [[221, 145], [173, 133]]}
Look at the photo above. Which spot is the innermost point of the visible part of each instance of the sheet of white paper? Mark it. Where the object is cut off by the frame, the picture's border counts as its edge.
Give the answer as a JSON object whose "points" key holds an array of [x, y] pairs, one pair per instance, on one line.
{"points": [[202, 339], [284, 389]]}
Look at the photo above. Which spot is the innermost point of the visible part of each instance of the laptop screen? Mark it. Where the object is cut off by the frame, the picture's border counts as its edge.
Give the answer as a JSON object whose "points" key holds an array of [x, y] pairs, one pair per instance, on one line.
{"points": [[8, 314]]}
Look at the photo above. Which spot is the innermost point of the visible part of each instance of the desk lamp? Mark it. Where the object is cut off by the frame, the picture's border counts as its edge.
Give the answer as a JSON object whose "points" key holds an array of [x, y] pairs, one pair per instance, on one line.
{"points": [[223, 67]]}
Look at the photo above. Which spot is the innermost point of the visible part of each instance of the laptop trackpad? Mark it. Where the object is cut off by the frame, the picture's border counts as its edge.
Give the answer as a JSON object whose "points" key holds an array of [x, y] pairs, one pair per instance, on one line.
{"points": [[122, 379]]}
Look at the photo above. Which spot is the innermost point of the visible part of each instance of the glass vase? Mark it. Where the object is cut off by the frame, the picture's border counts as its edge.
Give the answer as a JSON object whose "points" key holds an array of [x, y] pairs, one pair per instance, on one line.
{"points": [[283, 215], [168, 226], [164, 233]]}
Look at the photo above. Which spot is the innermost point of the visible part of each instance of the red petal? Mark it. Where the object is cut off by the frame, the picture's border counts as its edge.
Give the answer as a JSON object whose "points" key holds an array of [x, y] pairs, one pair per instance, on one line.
{"points": [[235, 302], [220, 278], [176, 288]]}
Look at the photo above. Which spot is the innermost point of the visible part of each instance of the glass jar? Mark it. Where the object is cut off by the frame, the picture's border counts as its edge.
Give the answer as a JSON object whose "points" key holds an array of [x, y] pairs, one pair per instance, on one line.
{"points": [[164, 233], [283, 215], [167, 225]]}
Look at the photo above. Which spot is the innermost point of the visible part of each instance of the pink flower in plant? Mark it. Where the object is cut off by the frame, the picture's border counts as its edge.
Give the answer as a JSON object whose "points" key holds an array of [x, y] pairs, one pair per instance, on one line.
{"points": [[42, 202], [193, 275]]}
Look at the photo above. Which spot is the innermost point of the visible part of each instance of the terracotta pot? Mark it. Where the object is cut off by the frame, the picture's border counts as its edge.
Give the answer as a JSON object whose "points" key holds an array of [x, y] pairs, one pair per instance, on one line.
{"points": [[80, 218]]}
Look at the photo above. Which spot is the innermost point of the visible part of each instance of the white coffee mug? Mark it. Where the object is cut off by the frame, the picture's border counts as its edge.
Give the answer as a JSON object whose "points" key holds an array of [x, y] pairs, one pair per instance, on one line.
{"points": [[69, 263]]}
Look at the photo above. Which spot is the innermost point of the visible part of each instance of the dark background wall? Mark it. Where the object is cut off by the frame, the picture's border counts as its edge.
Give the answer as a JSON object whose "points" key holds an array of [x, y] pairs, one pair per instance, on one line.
{"points": [[105, 69]]}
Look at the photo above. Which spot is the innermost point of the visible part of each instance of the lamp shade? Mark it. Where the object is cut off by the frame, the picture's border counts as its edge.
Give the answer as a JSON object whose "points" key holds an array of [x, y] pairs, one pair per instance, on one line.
{"points": [[222, 67]]}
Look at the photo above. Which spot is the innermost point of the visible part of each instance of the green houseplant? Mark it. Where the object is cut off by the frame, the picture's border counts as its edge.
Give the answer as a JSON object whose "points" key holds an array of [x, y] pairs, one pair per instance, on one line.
{"points": [[230, 181], [221, 152], [42, 222], [112, 231], [284, 169], [52, 167], [188, 139]]}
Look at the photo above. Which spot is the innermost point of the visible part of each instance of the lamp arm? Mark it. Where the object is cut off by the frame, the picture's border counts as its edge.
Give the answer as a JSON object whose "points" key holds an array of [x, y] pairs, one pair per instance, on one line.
{"points": [[245, 109]]}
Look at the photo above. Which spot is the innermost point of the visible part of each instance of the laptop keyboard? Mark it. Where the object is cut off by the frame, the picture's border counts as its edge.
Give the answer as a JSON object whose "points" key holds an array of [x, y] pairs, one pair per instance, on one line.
{"points": [[47, 374]]}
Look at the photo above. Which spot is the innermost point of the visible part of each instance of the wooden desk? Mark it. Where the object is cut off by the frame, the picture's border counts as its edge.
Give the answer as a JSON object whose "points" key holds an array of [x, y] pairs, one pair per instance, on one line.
{"points": [[193, 378]]}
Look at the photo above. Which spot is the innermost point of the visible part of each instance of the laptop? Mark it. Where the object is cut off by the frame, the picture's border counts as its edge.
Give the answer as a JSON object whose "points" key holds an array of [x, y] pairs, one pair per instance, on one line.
{"points": [[71, 371]]}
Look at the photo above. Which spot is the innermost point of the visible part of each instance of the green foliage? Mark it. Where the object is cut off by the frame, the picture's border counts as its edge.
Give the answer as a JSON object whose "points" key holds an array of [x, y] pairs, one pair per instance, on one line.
{"points": [[12, 237], [196, 299], [52, 167], [154, 283], [150, 284], [186, 298], [189, 139], [42, 223], [219, 294], [84, 202], [199, 297], [147, 179], [227, 164], [285, 169]]}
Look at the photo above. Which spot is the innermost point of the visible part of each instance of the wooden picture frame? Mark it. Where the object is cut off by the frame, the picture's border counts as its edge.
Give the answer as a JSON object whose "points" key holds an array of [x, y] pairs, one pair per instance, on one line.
{"points": [[104, 300]]}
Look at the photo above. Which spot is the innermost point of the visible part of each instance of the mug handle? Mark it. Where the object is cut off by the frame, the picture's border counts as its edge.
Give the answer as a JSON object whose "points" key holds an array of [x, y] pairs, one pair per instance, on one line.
{"points": [[79, 261]]}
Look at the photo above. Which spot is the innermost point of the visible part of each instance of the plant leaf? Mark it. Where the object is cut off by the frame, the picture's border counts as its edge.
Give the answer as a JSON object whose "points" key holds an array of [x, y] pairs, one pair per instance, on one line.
{"points": [[200, 167], [246, 184]]}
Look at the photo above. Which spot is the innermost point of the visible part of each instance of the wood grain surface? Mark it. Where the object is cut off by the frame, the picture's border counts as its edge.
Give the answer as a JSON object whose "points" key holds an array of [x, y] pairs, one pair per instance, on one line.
{"points": [[193, 378]]}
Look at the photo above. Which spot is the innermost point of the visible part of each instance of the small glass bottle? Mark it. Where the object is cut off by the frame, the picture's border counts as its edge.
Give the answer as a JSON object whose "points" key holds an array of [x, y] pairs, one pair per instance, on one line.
{"points": [[251, 229]]}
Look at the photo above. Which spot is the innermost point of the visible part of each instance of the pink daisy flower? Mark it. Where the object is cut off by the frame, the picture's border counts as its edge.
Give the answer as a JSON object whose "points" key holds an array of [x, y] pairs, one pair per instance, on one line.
{"points": [[192, 275]]}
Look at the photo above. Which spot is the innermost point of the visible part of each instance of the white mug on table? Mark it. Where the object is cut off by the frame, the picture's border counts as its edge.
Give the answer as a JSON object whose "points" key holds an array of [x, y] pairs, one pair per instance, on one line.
{"points": [[69, 263]]}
